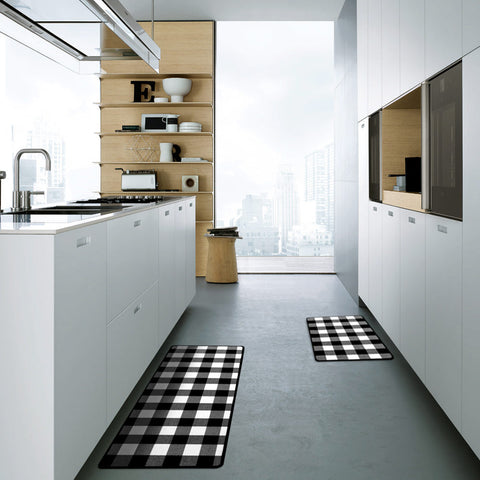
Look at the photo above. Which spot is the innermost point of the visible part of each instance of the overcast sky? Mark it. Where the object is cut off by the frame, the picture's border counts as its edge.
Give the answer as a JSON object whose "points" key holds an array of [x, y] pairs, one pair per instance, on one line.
{"points": [[274, 103]]}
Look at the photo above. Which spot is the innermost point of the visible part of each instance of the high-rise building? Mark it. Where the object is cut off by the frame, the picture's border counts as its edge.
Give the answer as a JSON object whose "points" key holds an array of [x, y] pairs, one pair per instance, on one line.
{"points": [[260, 236], [43, 136], [285, 205], [319, 185]]}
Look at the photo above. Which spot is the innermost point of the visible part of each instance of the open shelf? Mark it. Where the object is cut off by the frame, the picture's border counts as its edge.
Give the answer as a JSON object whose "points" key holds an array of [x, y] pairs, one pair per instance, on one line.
{"points": [[154, 104], [126, 134], [410, 201], [154, 75], [153, 163], [153, 192]]}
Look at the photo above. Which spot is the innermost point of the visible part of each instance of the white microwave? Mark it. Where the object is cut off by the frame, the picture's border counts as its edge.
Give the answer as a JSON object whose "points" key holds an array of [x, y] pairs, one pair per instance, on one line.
{"points": [[154, 122]]}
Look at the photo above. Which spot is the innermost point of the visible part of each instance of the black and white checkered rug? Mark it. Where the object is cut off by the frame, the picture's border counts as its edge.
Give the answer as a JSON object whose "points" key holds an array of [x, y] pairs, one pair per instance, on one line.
{"points": [[345, 338], [183, 417]]}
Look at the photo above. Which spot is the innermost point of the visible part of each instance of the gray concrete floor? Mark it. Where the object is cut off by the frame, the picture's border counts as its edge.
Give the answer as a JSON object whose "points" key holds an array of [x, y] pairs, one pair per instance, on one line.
{"points": [[295, 418]]}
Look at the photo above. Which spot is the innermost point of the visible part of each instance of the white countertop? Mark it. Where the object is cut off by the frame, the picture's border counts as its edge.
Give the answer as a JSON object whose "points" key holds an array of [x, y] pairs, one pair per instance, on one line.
{"points": [[51, 224]]}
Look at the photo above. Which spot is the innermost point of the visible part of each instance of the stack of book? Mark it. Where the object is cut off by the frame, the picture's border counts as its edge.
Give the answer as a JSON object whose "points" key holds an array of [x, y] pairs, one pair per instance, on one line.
{"points": [[224, 232]]}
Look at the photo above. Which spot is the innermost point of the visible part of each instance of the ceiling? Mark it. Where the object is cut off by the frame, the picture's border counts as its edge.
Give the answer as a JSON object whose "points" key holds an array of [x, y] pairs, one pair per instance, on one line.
{"points": [[235, 10]]}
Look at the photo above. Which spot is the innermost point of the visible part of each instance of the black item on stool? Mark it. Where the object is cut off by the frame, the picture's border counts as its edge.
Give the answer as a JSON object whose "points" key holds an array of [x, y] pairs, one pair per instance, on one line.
{"points": [[223, 232]]}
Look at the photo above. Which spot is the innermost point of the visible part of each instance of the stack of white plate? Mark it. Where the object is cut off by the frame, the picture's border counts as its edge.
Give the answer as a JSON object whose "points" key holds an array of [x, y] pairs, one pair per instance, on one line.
{"points": [[191, 127]]}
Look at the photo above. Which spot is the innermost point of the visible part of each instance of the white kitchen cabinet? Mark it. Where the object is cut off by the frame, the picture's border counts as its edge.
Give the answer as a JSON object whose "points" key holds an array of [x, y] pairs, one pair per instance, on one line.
{"points": [[132, 341], [363, 208], [132, 258], [443, 34], [80, 336], [471, 252], [190, 238], [166, 272], [470, 22], [55, 335], [390, 253], [52, 351], [412, 43], [362, 58], [374, 60], [180, 255], [444, 313], [375, 259], [390, 44], [412, 290]]}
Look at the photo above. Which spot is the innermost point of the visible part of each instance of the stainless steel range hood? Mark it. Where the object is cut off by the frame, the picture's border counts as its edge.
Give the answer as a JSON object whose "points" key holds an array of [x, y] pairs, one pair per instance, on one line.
{"points": [[64, 29]]}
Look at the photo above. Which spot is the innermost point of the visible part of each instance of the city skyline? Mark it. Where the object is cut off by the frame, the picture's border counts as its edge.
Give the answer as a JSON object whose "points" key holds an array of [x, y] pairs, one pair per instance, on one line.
{"points": [[279, 223]]}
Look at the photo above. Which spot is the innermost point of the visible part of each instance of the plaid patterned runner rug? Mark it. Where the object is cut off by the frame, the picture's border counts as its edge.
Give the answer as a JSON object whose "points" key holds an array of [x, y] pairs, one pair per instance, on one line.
{"points": [[183, 417], [345, 338]]}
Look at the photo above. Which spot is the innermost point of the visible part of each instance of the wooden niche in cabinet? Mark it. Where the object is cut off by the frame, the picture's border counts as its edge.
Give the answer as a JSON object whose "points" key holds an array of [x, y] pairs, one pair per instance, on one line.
{"points": [[401, 137], [187, 51]]}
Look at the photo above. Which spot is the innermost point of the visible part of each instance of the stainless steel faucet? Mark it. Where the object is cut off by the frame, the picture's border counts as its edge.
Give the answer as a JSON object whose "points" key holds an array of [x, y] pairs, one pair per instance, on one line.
{"points": [[21, 199]]}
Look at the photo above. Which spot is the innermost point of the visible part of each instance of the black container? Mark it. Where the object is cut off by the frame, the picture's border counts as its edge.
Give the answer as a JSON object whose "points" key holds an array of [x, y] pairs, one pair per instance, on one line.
{"points": [[413, 174]]}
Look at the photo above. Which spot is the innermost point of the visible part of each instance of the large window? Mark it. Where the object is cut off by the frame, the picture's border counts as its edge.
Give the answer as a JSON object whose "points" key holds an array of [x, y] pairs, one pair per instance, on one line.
{"points": [[44, 105], [274, 137]]}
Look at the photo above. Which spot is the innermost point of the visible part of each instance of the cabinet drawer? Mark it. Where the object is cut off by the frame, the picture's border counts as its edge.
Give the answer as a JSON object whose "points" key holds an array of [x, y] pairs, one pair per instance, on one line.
{"points": [[444, 313], [390, 253], [132, 342], [166, 272], [375, 259], [132, 259], [190, 250], [412, 288], [180, 259], [80, 342]]}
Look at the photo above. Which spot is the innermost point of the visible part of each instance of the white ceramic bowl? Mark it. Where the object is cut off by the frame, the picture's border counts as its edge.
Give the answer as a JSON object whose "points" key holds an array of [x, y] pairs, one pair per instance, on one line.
{"points": [[177, 88]]}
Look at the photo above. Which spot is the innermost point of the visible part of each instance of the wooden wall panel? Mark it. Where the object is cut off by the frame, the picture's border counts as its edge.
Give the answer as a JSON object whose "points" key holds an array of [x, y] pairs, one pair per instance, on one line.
{"points": [[187, 50], [401, 137], [202, 248], [186, 47]]}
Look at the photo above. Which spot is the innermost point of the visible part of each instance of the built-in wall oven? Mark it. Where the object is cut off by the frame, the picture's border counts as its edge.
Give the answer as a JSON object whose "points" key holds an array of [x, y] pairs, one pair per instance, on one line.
{"points": [[442, 145], [375, 157]]}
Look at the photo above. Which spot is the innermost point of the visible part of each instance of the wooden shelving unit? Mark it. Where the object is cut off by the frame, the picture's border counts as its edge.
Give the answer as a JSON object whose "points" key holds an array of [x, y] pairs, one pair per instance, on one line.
{"points": [[187, 51]]}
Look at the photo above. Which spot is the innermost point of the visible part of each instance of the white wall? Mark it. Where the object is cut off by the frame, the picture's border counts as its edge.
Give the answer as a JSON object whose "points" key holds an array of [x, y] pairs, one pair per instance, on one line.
{"points": [[346, 165]]}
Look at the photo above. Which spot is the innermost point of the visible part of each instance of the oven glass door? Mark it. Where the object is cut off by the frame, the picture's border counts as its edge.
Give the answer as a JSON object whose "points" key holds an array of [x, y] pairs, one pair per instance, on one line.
{"points": [[374, 158], [446, 143]]}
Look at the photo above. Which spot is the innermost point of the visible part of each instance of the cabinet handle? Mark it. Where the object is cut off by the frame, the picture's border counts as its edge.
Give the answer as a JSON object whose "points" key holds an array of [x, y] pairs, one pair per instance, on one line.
{"points": [[180, 209], [191, 204], [167, 213], [374, 209], [442, 229], [411, 219], [137, 308], [363, 125], [83, 241], [137, 223], [390, 213]]}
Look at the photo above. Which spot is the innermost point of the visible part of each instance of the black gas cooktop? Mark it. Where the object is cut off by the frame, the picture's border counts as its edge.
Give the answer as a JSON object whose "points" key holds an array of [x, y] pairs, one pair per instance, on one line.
{"points": [[125, 199]]}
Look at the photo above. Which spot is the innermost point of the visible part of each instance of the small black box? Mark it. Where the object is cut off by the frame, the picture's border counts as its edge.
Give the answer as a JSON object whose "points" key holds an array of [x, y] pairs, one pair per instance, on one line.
{"points": [[413, 174]]}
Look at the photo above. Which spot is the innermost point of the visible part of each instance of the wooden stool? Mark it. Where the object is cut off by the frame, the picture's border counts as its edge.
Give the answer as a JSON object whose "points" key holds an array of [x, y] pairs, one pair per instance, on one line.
{"points": [[221, 260]]}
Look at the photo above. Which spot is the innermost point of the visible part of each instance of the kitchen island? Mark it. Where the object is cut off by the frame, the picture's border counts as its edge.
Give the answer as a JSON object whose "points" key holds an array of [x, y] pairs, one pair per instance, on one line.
{"points": [[85, 304]]}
